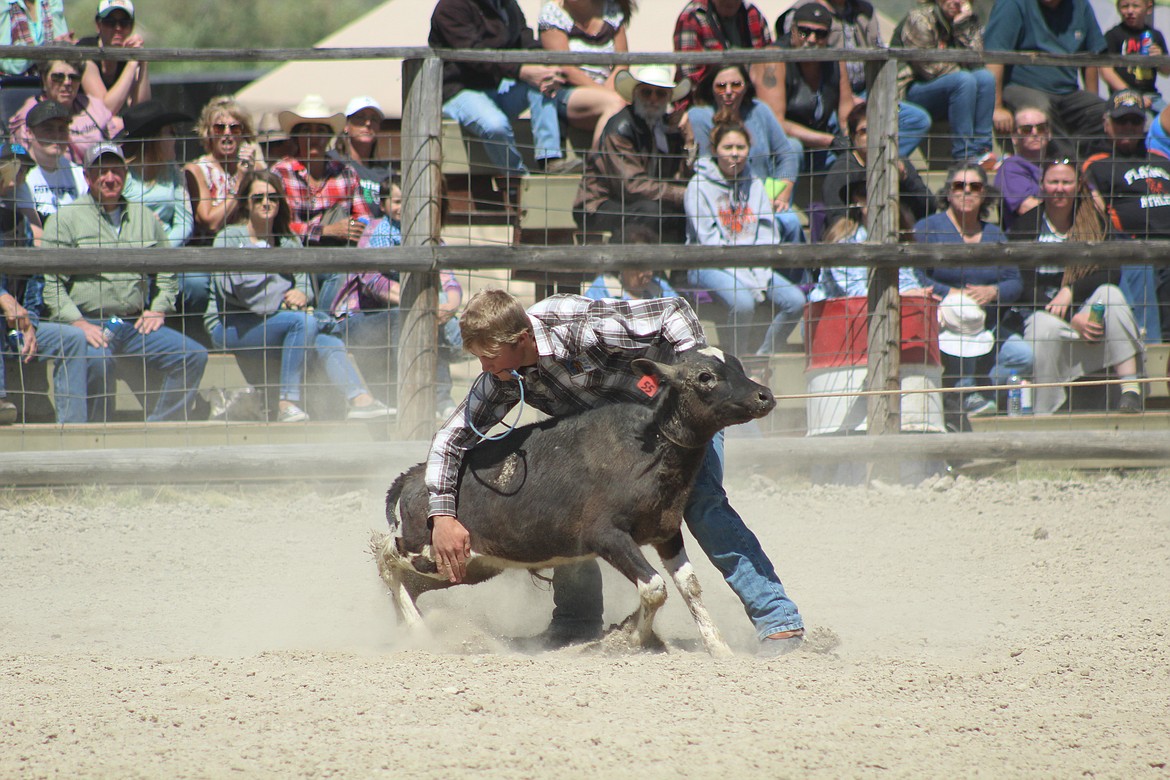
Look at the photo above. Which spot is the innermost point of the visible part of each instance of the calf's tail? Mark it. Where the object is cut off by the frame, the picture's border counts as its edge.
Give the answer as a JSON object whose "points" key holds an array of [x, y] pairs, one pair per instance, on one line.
{"points": [[392, 496]]}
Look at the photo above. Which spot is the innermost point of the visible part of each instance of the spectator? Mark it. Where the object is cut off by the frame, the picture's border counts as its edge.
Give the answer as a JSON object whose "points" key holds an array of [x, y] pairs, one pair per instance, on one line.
{"points": [[357, 148], [848, 172], [263, 311], [965, 97], [15, 164], [1130, 185], [212, 178], [31, 23], [118, 84], [103, 218], [727, 206], [771, 157], [588, 98], [274, 144], [638, 172], [994, 288], [1018, 178], [717, 25], [148, 140], [632, 284], [1064, 340], [485, 97], [91, 121], [55, 180], [324, 195], [16, 320], [1135, 36], [1052, 27]]}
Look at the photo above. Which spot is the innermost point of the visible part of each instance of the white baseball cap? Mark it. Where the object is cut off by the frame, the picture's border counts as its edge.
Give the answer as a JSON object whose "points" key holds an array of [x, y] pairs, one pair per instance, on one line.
{"points": [[361, 103], [107, 7]]}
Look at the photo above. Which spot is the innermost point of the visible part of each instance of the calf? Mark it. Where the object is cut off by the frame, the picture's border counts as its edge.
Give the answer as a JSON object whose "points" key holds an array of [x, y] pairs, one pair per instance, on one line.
{"points": [[597, 484]]}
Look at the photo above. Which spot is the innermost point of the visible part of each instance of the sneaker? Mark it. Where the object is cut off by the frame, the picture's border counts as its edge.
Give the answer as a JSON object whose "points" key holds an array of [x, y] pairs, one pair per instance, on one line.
{"points": [[375, 410], [774, 648], [978, 405], [8, 412], [1130, 403], [292, 413]]}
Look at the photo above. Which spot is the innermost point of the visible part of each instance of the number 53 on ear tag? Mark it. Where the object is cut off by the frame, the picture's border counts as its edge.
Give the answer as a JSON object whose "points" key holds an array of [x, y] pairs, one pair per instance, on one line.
{"points": [[648, 385]]}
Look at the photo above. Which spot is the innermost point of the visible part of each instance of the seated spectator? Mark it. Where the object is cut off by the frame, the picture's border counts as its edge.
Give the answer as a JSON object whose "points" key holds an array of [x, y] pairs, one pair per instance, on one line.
{"points": [[118, 84], [55, 180], [638, 172], [324, 196], [588, 98], [965, 97], [717, 25], [31, 23], [1053, 27], [148, 140], [23, 347], [727, 206], [91, 121], [632, 284], [484, 97], [115, 310], [855, 26], [273, 143], [251, 311], [848, 171], [357, 148], [963, 220], [212, 178], [1065, 342], [1018, 178], [1135, 36], [771, 157]]}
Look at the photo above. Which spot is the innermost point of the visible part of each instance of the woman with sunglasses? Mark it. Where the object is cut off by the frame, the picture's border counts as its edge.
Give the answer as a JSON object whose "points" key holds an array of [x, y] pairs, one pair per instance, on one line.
{"points": [[213, 178], [1065, 341], [1018, 177], [253, 314], [118, 84], [964, 207], [92, 122]]}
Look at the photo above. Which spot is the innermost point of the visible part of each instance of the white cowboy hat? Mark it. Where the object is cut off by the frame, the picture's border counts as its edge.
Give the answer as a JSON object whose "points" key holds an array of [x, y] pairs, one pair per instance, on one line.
{"points": [[311, 110], [654, 75], [962, 330]]}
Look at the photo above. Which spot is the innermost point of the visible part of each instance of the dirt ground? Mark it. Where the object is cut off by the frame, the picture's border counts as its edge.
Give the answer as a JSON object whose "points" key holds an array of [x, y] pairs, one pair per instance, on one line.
{"points": [[1001, 627]]}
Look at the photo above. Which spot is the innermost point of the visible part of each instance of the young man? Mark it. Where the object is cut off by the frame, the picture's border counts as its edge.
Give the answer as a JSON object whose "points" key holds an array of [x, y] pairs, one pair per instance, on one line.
{"points": [[55, 180], [572, 354]]}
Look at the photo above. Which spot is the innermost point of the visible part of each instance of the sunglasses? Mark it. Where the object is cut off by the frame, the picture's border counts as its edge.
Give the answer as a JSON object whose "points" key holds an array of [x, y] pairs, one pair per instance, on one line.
{"points": [[1040, 128], [963, 186], [118, 22], [260, 197], [223, 128], [62, 78], [812, 32], [728, 86]]}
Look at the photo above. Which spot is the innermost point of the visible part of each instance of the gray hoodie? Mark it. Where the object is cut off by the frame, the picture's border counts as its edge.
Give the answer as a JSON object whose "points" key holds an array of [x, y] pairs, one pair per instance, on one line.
{"points": [[728, 213]]}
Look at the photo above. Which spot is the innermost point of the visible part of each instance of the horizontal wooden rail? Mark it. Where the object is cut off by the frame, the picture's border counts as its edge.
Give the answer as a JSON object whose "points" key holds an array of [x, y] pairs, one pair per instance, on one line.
{"points": [[586, 259]]}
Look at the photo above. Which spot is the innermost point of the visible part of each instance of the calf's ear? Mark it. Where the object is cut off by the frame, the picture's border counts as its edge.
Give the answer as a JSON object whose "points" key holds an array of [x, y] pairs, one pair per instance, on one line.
{"points": [[647, 367]]}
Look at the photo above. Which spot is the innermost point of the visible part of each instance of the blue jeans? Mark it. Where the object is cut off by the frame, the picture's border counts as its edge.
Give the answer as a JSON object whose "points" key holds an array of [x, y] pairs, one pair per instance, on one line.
{"points": [[783, 295], [1140, 286], [290, 332], [966, 98], [82, 375], [372, 339], [729, 544], [1014, 357], [488, 115], [177, 360], [913, 125]]}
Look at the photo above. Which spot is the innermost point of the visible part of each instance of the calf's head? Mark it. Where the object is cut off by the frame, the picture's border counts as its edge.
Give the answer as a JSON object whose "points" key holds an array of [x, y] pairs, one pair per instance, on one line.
{"points": [[708, 390]]}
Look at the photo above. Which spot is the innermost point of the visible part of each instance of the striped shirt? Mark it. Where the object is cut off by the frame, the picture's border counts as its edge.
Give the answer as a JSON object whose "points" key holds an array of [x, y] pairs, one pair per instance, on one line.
{"points": [[585, 350]]}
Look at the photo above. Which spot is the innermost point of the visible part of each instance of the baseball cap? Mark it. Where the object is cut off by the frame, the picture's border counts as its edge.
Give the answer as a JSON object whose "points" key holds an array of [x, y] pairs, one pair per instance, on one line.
{"points": [[1126, 102], [107, 7], [812, 13], [361, 103], [46, 111], [14, 151], [97, 151]]}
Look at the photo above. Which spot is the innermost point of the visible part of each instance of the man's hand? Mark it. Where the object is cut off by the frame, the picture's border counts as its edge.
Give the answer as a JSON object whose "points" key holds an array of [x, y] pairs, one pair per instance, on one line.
{"points": [[546, 78], [295, 299], [452, 545], [1089, 330], [149, 322], [93, 333], [1003, 120]]}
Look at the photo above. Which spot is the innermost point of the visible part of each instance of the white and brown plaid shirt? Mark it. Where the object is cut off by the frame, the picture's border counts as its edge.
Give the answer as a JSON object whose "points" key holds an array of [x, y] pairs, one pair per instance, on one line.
{"points": [[585, 349]]}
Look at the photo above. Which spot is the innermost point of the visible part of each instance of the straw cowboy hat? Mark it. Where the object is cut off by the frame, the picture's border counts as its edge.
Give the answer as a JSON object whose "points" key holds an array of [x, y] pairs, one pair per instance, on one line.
{"points": [[654, 75], [269, 131], [311, 110]]}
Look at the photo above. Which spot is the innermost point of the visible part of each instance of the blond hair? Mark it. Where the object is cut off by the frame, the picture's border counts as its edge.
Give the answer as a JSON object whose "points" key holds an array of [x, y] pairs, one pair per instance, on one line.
{"points": [[491, 319], [222, 104]]}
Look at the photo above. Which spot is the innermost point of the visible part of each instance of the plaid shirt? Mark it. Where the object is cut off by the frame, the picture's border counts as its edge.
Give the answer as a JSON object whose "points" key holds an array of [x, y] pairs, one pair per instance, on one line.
{"points": [[585, 349], [307, 205], [699, 29]]}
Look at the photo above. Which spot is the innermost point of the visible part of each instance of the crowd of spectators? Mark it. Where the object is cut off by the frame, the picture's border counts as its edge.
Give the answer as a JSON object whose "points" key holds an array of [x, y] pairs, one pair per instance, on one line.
{"points": [[718, 155]]}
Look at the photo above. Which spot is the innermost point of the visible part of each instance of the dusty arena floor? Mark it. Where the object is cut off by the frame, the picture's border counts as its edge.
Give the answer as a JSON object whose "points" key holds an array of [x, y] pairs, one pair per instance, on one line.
{"points": [[993, 628]]}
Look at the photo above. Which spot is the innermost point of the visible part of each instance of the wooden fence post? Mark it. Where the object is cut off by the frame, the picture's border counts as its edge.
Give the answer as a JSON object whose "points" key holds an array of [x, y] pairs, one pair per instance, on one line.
{"points": [[422, 87], [885, 320]]}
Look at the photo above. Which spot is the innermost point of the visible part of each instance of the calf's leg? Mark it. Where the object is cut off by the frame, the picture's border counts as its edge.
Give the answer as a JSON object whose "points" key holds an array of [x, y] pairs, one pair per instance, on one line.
{"points": [[674, 558], [395, 571], [619, 550]]}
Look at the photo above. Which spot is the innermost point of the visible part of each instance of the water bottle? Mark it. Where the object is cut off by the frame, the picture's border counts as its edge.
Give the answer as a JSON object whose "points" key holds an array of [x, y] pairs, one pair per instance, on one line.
{"points": [[16, 339], [108, 328], [1025, 397], [1015, 396]]}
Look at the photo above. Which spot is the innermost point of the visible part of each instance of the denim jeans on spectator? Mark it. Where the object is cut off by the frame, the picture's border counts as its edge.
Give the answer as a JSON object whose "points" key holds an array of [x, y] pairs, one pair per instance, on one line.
{"points": [[489, 116], [1140, 285], [913, 125], [372, 339], [965, 98], [783, 295], [83, 376], [177, 360], [729, 544], [250, 336]]}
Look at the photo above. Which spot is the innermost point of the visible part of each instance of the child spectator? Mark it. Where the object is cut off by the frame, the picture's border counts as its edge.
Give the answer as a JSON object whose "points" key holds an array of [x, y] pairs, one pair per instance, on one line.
{"points": [[1135, 36]]}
